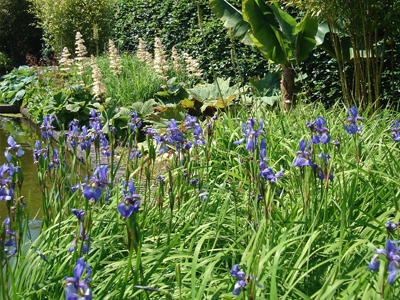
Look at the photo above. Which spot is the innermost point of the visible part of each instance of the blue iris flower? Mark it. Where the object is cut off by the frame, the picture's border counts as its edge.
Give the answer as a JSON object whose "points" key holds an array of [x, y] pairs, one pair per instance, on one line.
{"points": [[351, 126], [319, 133], [130, 202], [75, 288], [135, 121], [47, 128], [97, 182], [395, 131], [250, 134], [243, 280], [390, 226], [303, 157], [391, 253]]}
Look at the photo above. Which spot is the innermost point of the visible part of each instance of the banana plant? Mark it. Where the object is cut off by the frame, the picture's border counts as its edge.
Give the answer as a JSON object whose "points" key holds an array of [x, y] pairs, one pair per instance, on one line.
{"points": [[276, 34]]}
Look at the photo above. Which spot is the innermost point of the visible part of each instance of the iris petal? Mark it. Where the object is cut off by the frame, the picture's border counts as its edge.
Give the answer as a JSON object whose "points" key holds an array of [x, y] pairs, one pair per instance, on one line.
{"points": [[125, 210]]}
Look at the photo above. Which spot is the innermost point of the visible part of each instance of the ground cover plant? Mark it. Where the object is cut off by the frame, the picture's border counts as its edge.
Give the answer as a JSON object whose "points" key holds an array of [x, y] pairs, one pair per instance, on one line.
{"points": [[275, 206]]}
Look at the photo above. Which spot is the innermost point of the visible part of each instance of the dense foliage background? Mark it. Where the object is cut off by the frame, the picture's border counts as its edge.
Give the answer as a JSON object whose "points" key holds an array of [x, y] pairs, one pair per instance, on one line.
{"points": [[176, 23], [17, 35], [62, 19]]}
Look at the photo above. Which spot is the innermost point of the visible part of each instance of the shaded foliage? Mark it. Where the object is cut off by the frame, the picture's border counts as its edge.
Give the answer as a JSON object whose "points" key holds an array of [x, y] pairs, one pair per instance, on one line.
{"points": [[17, 35]]}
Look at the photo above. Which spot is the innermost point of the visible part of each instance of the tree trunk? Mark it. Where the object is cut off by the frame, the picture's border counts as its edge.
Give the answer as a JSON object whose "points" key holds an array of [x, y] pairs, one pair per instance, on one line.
{"points": [[287, 88]]}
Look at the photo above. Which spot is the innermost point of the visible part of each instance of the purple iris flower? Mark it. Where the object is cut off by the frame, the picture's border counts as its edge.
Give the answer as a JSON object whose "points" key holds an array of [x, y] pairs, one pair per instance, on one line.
{"points": [[351, 126], [73, 133], [251, 135], [243, 280], [162, 142], [75, 288], [336, 143], [86, 246], [77, 186], [105, 147], [39, 154], [390, 226], [14, 147], [198, 137], [190, 122], [319, 133], [187, 145], [47, 128], [85, 139], [97, 182], [11, 241], [303, 157], [151, 131], [130, 202], [161, 179], [268, 174], [395, 131], [79, 213], [322, 175], [7, 223], [94, 115], [135, 153], [203, 195], [135, 121], [263, 150], [13, 144], [55, 161], [6, 190], [194, 181], [392, 256], [96, 130], [172, 127], [374, 264]]}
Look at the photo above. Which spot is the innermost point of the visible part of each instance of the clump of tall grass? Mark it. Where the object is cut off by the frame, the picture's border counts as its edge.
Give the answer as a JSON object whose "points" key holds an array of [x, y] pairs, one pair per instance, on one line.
{"points": [[220, 220]]}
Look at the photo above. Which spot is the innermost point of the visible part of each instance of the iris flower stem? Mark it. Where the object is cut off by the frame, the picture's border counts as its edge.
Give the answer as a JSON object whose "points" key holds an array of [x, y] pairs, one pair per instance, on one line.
{"points": [[128, 266], [2, 281]]}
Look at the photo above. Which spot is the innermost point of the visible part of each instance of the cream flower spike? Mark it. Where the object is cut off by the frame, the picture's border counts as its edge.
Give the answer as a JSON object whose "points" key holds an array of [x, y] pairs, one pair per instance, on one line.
{"points": [[115, 59], [99, 88], [160, 60], [65, 62]]}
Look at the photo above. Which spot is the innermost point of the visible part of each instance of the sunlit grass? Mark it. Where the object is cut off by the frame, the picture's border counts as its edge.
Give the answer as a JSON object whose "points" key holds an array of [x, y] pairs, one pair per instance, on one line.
{"points": [[315, 244]]}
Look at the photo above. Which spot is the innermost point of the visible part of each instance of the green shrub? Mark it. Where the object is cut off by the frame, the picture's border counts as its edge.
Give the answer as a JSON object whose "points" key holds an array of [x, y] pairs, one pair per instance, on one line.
{"points": [[5, 63], [176, 24], [64, 18]]}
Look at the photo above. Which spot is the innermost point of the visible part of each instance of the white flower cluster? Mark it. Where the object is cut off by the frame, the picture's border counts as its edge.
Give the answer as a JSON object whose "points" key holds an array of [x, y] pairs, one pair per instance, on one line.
{"points": [[65, 62], [160, 60], [115, 59], [80, 51], [99, 88], [192, 67], [143, 55], [176, 60]]}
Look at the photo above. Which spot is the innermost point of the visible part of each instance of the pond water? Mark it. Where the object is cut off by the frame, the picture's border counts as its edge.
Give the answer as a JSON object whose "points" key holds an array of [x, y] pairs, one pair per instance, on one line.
{"points": [[30, 189]]}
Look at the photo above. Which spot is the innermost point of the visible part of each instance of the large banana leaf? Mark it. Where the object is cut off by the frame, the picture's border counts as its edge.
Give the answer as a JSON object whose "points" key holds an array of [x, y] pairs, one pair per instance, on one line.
{"points": [[267, 39], [323, 29], [306, 31], [233, 20], [287, 24]]}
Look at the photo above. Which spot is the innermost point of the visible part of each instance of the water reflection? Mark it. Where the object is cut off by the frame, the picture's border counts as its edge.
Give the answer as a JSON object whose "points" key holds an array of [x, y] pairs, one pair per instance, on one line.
{"points": [[30, 189]]}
